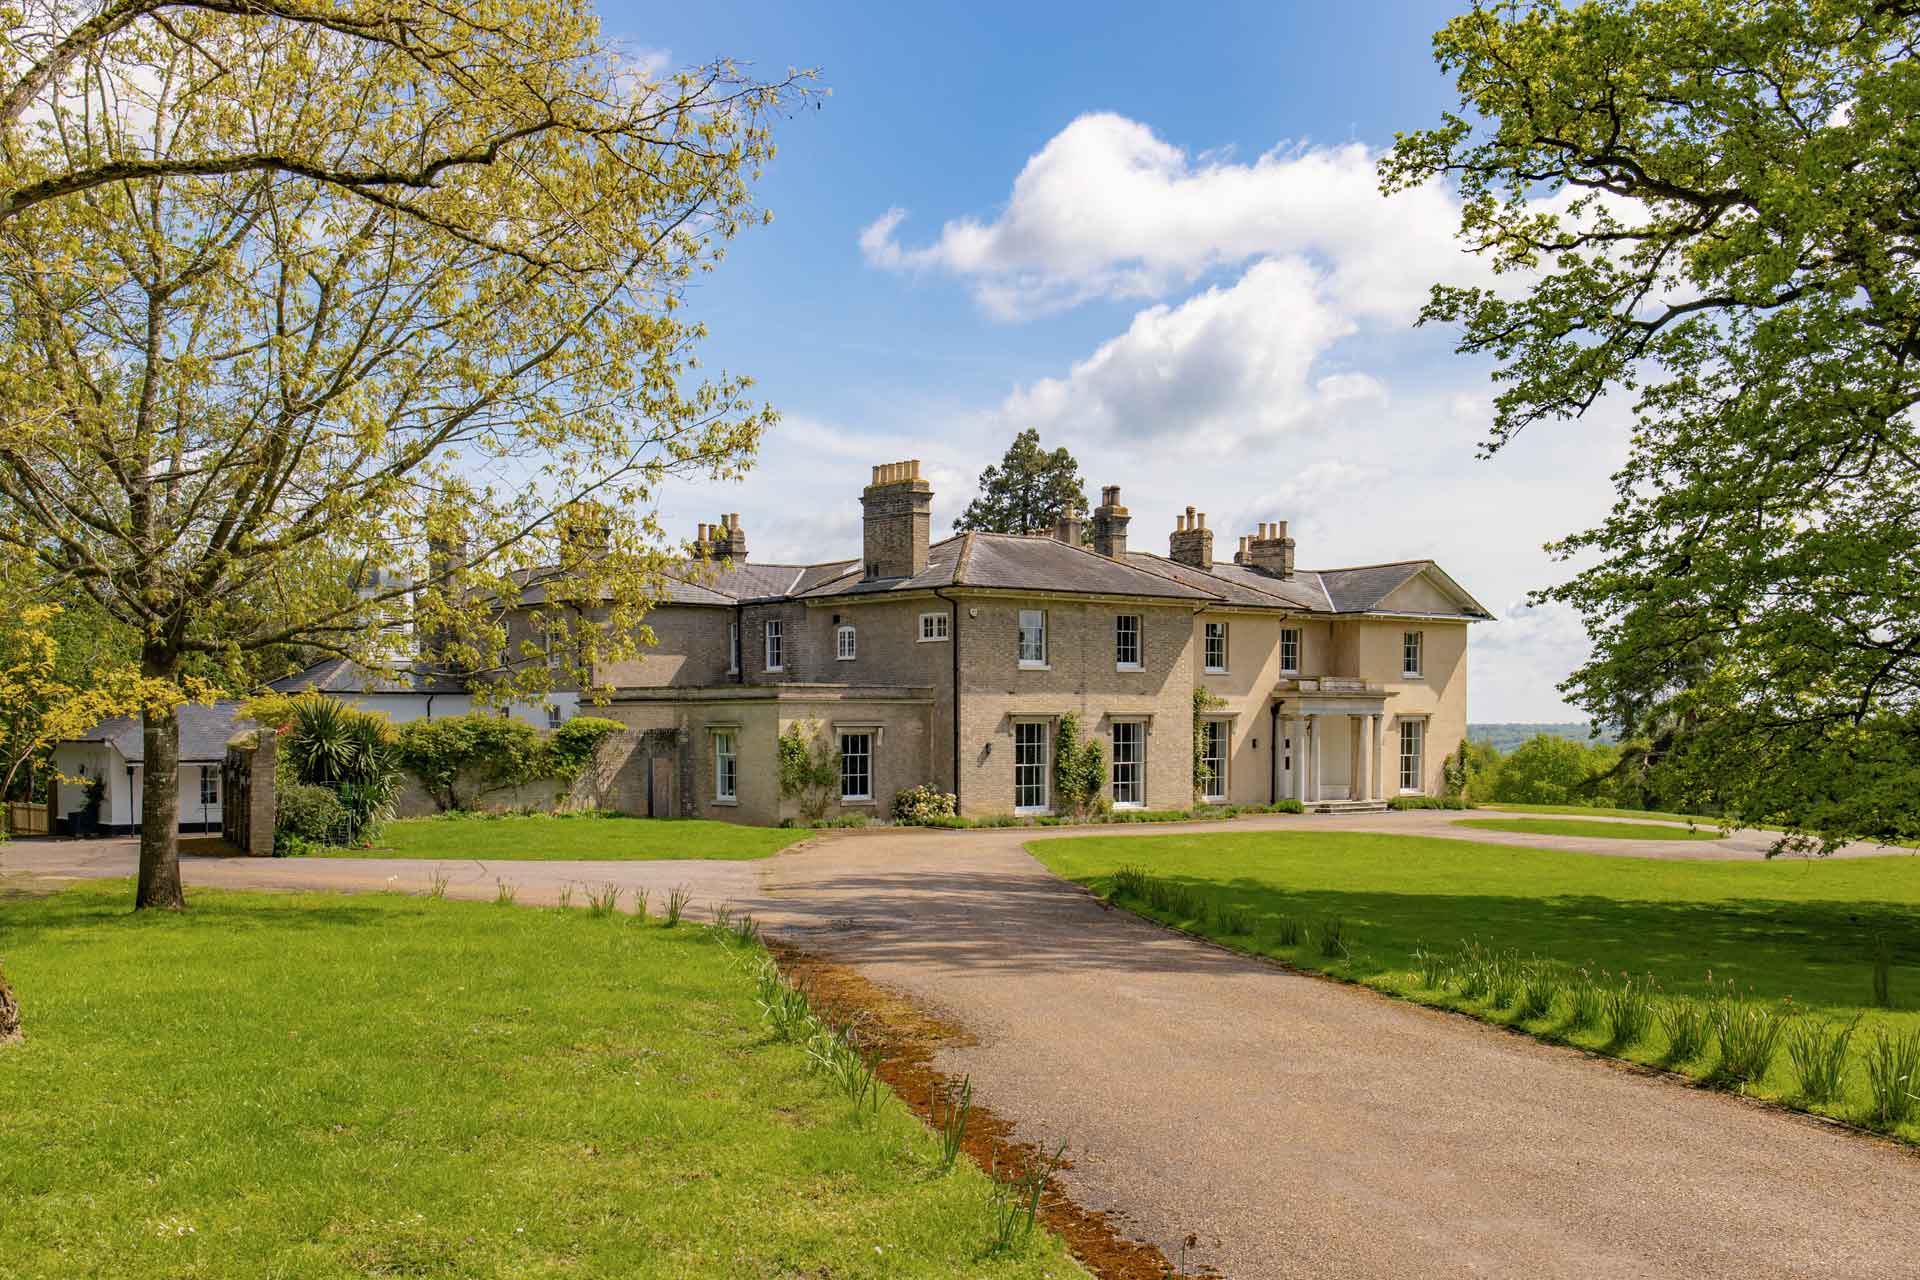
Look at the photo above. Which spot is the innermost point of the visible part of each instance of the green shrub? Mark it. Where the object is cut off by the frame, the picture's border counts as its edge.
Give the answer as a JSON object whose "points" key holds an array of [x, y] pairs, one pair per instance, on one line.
{"points": [[1685, 1023], [1749, 1036], [1079, 769], [1817, 1052], [1427, 802], [809, 769], [1893, 1078], [920, 806], [1628, 1009], [349, 752], [572, 747], [460, 758], [308, 813]]}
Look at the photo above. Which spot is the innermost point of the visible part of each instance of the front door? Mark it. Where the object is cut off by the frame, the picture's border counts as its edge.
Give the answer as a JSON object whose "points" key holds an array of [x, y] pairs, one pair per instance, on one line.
{"points": [[660, 790]]}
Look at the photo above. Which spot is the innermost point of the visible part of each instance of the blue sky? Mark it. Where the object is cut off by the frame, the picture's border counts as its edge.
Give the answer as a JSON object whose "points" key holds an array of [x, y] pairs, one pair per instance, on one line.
{"points": [[1159, 243]]}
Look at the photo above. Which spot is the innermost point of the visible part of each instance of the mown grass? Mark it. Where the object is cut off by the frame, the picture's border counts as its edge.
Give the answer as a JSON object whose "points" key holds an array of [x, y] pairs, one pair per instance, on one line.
{"points": [[1795, 930], [1600, 830], [546, 837], [385, 1085], [1588, 811]]}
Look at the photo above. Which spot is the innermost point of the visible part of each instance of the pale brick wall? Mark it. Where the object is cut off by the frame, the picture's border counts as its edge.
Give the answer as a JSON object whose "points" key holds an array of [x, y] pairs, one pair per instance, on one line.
{"points": [[1441, 695], [690, 649], [1080, 678]]}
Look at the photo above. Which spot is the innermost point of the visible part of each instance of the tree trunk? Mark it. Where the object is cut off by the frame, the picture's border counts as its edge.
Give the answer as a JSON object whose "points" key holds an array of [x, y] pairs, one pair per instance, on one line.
{"points": [[160, 801], [9, 1013]]}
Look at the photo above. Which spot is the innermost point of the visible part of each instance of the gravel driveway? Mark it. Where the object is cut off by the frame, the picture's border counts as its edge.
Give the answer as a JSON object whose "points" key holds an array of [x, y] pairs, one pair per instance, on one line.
{"points": [[1295, 1126]]}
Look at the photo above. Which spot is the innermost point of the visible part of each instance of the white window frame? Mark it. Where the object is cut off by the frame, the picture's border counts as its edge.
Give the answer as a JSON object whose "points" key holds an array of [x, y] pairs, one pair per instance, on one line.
{"points": [[868, 736], [1120, 663], [726, 766], [733, 648], [1139, 764], [846, 643], [1207, 632], [933, 628], [209, 780], [775, 639], [1217, 786], [1417, 757], [1290, 638], [1020, 641], [554, 718], [1045, 729], [1413, 654]]}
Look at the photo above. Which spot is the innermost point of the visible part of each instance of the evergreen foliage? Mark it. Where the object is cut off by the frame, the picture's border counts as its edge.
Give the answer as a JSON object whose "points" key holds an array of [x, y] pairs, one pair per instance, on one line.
{"points": [[1027, 491]]}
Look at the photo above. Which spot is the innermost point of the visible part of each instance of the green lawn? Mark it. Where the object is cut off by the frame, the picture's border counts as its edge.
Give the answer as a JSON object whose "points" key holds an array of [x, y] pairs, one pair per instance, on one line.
{"points": [[1587, 811], [550, 837], [324, 1086], [1602, 830], [1795, 928]]}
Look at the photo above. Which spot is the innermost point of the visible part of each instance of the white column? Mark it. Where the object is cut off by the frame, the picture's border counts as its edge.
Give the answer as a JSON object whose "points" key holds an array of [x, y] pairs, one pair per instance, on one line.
{"points": [[1314, 738], [1297, 735], [1378, 725], [1362, 758]]}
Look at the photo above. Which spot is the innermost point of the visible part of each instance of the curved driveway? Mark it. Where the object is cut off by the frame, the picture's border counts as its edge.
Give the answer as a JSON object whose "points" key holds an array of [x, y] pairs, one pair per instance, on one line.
{"points": [[1295, 1126]]}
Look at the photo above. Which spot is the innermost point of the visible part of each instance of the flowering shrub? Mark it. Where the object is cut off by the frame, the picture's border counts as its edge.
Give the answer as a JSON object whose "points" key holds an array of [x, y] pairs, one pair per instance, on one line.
{"points": [[920, 806]]}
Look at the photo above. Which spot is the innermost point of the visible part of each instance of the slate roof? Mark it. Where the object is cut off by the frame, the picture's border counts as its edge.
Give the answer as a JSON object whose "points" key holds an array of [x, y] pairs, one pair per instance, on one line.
{"points": [[343, 675], [204, 731], [1015, 563]]}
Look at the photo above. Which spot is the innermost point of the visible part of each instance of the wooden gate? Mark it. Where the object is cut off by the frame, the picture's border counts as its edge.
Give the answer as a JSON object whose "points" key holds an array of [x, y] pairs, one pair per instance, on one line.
{"points": [[236, 794]]}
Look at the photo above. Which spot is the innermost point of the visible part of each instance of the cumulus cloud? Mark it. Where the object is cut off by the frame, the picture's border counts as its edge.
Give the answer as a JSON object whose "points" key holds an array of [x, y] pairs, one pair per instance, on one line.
{"points": [[1108, 209], [1225, 366]]}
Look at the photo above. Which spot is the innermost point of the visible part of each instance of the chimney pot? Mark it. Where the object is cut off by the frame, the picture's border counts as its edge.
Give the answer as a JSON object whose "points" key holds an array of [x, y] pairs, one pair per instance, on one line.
{"points": [[1110, 524], [1192, 542], [898, 508]]}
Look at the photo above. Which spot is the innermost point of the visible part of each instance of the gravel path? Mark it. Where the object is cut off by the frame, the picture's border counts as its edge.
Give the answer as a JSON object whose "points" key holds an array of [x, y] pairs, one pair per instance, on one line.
{"points": [[1294, 1126]]}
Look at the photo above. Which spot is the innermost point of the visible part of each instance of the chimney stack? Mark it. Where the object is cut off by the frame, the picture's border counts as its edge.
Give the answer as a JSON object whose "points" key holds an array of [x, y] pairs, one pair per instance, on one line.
{"points": [[898, 520], [1271, 550], [727, 540], [1110, 524], [1070, 528], [1192, 542]]}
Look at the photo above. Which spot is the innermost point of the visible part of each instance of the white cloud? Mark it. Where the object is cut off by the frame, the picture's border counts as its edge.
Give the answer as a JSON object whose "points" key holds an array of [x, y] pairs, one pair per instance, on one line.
{"points": [[1107, 209], [1224, 367]]}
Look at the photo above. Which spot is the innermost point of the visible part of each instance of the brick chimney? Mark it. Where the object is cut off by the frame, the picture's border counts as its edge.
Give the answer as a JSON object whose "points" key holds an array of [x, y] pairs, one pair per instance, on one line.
{"points": [[727, 540], [898, 508], [1070, 528], [1192, 542], [1110, 524], [1270, 550]]}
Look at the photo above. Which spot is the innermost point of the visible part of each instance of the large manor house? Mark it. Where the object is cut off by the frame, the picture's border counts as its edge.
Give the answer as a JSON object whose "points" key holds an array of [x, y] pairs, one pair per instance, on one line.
{"points": [[953, 662]]}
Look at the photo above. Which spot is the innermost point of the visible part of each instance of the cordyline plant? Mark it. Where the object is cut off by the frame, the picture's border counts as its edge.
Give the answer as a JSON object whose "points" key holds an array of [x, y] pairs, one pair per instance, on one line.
{"points": [[1710, 205], [318, 315]]}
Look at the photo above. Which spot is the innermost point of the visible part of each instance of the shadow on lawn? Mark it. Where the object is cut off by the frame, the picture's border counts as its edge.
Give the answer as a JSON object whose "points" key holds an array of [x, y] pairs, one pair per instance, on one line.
{"points": [[106, 906]]}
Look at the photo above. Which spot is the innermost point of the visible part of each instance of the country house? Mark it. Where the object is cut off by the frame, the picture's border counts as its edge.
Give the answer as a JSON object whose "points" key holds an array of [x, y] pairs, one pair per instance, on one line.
{"points": [[952, 663]]}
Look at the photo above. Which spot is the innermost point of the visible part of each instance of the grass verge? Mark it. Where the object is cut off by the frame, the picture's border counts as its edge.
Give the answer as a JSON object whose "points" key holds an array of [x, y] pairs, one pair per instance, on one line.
{"points": [[547, 837], [1597, 830], [1468, 927], [385, 1085]]}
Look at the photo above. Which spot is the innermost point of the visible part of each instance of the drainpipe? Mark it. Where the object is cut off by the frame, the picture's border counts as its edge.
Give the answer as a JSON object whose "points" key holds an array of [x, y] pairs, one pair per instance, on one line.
{"points": [[953, 639], [1273, 755], [739, 654]]}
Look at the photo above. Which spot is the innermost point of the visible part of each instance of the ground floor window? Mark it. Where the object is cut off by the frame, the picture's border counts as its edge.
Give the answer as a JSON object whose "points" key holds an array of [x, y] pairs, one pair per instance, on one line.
{"points": [[1032, 757], [1412, 739], [856, 766], [1213, 754], [209, 785], [1129, 762], [726, 767]]}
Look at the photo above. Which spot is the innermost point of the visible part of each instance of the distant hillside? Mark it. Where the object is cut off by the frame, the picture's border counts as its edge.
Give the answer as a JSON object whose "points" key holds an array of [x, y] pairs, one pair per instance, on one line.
{"points": [[1505, 737]]}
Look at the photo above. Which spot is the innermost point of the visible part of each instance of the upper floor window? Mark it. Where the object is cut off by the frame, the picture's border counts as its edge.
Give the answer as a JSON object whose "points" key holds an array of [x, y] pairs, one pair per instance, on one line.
{"points": [[776, 652], [1033, 637], [733, 648], [553, 716], [1126, 641], [1215, 655], [933, 626], [1412, 659], [1290, 650], [845, 643]]}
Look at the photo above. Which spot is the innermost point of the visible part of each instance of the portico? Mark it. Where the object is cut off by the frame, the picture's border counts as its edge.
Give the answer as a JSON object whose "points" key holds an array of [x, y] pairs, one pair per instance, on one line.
{"points": [[1336, 735]]}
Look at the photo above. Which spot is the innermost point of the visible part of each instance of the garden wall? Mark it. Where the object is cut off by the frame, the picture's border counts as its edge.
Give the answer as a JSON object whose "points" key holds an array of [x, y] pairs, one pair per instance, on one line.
{"points": [[616, 780]]}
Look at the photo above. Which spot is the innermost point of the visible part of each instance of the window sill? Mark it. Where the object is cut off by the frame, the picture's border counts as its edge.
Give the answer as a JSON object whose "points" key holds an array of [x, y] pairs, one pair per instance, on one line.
{"points": [[1129, 666], [1214, 671], [861, 802], [774, 671], [1042, 812], [1290, 671], [846, 658], [933, 639], [1219, 799], [1412, 675], [1131, 804], [1035, 666], [733, 803], [1411, 791]]}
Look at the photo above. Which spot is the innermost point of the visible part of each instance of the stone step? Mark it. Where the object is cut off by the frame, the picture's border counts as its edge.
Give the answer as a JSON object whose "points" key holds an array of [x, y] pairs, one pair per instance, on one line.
{"points": [[1346, 806]]}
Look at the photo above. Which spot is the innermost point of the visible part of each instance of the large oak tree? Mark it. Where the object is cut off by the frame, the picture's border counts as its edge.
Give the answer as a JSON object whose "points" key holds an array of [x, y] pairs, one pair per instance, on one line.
{"points": [[316, 314], [1712, 207]]}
